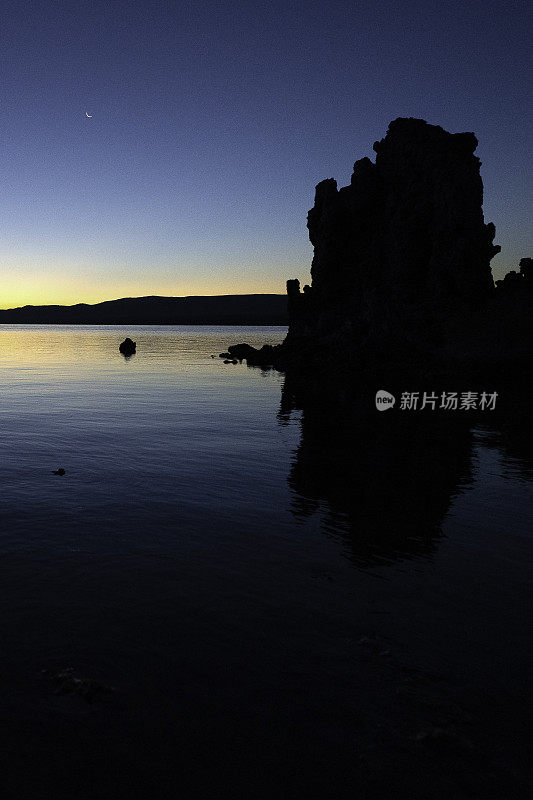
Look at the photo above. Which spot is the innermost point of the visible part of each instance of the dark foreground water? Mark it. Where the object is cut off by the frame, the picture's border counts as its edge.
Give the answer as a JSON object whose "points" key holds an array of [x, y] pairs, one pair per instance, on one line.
{"points": [[283, 610]]}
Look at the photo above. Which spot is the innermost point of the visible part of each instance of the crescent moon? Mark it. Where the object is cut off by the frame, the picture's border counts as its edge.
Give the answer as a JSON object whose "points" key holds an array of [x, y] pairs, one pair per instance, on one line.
{"points": [[89, 115]]}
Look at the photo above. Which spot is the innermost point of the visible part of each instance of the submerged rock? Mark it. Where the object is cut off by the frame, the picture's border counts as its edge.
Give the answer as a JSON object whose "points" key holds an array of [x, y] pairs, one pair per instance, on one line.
{"points": [[67, 682], [128, 347], [444, 739], [59, 471]]}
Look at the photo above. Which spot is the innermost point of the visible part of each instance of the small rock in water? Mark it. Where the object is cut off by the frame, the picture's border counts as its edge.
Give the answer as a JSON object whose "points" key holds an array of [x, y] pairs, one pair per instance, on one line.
{"points": [[68, 683], [59, 471], [128, 346], [241, 351], [230, 361], [443, 739]]}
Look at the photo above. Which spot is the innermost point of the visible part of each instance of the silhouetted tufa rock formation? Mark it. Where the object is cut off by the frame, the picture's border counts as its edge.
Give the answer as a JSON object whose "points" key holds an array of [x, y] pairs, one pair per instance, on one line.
{"points": [[127, 348], [401, 266], [521, 281], [526, 270], [405, 241]]}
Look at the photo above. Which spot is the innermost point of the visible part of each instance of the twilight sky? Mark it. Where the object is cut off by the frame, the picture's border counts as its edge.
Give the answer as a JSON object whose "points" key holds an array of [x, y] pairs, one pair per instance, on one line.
{"points": [[212, 123]]}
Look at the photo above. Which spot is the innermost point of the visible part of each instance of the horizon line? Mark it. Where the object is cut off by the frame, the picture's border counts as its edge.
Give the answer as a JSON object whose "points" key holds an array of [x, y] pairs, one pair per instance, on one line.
{"points": [[143, 297]]}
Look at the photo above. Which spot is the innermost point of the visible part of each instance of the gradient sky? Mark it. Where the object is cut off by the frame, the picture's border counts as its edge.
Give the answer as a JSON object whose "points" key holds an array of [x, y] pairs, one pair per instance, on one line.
{"points": [[212, 123]]}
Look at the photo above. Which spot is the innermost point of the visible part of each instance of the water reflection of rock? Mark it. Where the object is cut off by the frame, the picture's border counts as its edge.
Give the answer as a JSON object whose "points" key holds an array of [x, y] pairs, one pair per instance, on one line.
{"points": [[512, 437], [384, 481]]}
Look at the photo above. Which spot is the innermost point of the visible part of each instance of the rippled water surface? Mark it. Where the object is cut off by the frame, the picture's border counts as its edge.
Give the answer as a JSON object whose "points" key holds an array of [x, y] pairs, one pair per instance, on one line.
{"points": [[281, 606]]}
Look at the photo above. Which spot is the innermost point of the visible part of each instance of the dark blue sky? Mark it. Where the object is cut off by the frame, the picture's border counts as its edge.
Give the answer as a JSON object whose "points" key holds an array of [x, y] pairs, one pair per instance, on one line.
{"points": [[212, 123]]}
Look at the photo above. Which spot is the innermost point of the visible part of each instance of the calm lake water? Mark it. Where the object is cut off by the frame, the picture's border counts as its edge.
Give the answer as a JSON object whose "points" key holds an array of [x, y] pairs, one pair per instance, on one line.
{"points": [[274, 622]]}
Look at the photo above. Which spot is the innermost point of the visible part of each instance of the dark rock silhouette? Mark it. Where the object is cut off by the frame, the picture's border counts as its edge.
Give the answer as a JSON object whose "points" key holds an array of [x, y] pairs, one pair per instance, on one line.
{"points": [[521, 281], [241, 351], [526, 270], [67, 682], [397, 251], [404, 242], [59, 471], [510, 281], [266, 355], [128, 347], [401, 267]]}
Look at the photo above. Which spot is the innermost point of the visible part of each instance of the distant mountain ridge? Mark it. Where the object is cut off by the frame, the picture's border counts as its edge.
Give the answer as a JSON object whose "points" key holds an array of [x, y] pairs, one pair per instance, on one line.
{"points": [[232, 309]]}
